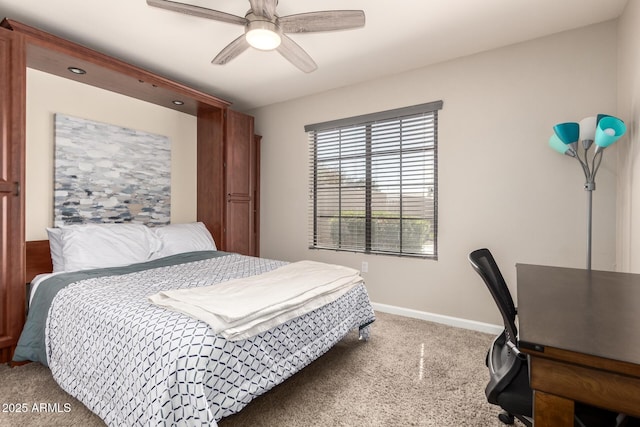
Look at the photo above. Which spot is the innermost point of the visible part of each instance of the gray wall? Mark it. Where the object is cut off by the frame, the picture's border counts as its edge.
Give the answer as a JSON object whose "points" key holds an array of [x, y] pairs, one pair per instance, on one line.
{"points": [[500, 185], [629, 146]]}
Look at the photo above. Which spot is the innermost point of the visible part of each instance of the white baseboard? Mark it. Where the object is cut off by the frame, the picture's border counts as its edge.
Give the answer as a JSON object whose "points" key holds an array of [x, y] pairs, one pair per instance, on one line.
{"points": [[440, 318]]}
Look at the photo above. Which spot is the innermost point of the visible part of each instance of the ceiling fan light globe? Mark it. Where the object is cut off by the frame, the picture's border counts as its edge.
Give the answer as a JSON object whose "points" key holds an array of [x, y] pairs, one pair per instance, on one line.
{"points": [[263, 39], [263, 35]]}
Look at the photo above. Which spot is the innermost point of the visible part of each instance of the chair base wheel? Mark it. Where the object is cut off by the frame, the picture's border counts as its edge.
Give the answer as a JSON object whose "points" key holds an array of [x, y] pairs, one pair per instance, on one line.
{"points": [[506, 418]]}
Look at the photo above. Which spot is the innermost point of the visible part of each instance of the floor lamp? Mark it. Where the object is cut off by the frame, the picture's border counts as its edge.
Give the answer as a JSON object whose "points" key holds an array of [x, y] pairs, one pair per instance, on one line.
{"points": [[601, 131]]}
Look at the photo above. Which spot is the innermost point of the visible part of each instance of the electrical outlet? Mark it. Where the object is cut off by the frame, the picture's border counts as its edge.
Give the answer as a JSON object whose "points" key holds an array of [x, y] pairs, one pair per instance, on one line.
{"points": [[365, 267]]}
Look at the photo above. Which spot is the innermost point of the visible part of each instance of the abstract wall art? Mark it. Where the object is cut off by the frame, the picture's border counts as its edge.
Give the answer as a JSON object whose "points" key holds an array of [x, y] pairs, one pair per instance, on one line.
{"points": [[110, 174]]}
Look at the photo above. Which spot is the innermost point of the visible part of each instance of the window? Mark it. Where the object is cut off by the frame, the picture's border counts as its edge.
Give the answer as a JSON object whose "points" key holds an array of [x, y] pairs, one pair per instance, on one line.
{"points": [[373, 182]]}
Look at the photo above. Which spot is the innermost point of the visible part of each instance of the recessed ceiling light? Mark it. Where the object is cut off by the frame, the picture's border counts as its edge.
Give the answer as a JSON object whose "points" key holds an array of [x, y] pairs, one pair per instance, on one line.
{"points": [[76, 70], [178, 102]]}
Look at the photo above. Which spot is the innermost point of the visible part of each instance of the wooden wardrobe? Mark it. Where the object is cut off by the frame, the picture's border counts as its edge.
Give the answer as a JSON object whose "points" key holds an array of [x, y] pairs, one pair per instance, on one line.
{"points": [[234, 218], [227, 150]]}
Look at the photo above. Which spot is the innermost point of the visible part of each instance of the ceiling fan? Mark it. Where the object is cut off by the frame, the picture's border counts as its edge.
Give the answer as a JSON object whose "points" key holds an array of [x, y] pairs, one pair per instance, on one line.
{"points": [[265, 30]]}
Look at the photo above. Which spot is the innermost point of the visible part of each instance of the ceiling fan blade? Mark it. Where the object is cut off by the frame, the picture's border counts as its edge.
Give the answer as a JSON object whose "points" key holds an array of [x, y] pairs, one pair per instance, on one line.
{"points": [[296, 55], [232, 50], [197, 11], [328, 20], [264, 8]]}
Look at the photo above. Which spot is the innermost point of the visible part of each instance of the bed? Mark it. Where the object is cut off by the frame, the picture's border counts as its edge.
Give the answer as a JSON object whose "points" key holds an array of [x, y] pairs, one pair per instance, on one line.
{"points": [[133, 362]]}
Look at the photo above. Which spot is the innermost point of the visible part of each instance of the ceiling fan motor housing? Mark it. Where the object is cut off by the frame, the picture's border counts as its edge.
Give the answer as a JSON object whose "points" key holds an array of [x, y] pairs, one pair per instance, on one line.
{"points": [[262, 33]]}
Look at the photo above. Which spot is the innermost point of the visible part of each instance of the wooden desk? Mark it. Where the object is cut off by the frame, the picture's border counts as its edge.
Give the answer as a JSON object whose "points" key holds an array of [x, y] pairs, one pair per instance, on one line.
{"points": [[581, 330]]}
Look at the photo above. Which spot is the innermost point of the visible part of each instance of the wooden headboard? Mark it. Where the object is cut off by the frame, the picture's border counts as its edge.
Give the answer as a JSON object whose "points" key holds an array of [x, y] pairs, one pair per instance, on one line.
{"points": [[38, 259]]}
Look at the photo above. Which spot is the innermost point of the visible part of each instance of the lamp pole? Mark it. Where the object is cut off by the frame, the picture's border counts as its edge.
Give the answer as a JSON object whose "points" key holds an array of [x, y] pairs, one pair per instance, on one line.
{"points": [[590, 168], [590, 171], [589, 187]]}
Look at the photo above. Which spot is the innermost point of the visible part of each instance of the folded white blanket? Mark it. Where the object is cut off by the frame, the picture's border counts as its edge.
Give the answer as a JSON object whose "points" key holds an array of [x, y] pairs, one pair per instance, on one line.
{"points": [[241, 308]]}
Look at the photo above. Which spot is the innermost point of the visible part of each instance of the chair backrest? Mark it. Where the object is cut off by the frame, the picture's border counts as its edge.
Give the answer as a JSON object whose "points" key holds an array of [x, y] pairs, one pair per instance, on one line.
{"points": [[485, 265], [504, 359]]}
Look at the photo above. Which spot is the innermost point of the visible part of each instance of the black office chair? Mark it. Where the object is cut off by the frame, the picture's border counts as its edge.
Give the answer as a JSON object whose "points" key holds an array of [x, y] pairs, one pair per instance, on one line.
{"points": [[508, 385]]}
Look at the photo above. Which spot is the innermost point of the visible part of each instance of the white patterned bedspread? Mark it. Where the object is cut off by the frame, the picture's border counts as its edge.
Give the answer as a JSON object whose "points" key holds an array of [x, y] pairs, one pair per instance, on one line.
{"points": [[133, 363]]}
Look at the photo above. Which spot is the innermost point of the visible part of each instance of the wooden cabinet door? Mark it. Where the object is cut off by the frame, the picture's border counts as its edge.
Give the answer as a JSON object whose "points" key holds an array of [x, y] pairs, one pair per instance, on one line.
{"points": [[211, 203], [12, 155], [257, 139], [240, 169]]}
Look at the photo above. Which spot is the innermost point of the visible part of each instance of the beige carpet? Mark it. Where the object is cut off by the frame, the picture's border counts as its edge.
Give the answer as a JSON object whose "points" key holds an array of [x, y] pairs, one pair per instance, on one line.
{"points": [[411, 373]]}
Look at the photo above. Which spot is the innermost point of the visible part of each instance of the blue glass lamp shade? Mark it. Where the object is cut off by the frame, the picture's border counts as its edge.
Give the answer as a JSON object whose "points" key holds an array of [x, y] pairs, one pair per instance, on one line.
{"points": [[559, 146], [608, 131], [567, 132]]}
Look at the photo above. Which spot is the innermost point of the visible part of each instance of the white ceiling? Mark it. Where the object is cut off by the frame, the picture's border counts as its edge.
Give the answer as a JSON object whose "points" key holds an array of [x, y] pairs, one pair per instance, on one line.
{"points": [[399, 35]]}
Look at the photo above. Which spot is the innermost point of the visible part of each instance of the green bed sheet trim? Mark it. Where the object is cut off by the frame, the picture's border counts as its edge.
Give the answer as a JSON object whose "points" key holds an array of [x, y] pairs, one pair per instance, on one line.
{"points": [[32, 344]]}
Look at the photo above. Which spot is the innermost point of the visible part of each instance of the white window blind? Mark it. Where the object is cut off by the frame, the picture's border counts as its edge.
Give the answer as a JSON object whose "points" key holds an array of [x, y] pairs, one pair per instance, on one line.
{"points": [[373, 182]]}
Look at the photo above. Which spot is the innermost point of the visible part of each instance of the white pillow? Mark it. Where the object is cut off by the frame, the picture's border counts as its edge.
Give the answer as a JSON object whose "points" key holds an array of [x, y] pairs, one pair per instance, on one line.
{"points": [[55, 247], [180, 238], [90, 246]]}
